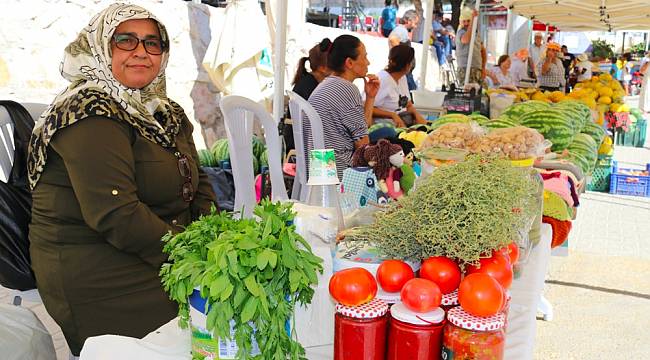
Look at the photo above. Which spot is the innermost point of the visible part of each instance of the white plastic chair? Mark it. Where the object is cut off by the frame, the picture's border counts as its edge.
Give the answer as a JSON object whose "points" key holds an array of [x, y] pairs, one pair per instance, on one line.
{"points": [[238, 113], [299, 108], [7, 144]]}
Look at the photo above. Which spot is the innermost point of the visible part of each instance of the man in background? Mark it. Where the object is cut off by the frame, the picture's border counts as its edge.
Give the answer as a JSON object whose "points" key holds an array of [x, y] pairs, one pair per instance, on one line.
{"points": [[537, 50], [477, 71]]}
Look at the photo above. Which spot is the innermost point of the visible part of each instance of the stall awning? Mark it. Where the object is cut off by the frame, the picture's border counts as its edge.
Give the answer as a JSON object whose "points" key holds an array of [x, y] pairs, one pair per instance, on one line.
{"points": [[586, 15]]}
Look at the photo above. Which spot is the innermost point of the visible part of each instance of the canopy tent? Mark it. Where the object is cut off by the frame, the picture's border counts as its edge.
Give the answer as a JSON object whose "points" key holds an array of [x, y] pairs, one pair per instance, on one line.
{"points": [[586, 15]]}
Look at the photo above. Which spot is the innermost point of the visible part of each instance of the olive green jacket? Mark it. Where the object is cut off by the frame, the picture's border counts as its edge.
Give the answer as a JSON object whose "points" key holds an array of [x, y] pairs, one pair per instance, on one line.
{"points": [[104, 200]]}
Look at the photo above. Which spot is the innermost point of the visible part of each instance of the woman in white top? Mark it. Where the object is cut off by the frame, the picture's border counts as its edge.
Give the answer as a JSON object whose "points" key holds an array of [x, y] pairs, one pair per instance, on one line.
{"points": [[644, 96], [500, 74], [583, 68], [392, 103]]}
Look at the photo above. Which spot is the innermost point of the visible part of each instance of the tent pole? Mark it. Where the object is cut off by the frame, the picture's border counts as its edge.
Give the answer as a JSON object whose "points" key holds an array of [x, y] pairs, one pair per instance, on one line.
{"points": [[279, 63], [472, 40], [508, 30], [428, 12]]}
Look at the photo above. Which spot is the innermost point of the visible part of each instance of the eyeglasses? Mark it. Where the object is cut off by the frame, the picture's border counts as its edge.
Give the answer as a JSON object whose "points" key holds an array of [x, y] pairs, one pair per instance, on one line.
{"points": [[187, 191], [129, 42]]}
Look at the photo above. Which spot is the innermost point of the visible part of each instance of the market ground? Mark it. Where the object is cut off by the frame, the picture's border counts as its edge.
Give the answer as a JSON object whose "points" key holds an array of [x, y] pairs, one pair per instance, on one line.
{"points": [[600, 292]]}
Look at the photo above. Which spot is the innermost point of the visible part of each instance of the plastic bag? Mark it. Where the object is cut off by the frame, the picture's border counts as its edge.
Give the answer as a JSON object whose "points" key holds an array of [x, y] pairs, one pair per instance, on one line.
{"points": [[515, 143], [15, 207], [454, 135], [223, 186]]}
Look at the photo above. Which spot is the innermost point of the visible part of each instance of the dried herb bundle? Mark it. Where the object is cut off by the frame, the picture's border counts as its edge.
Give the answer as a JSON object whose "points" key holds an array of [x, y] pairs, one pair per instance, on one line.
{"points": [[461, 211]]}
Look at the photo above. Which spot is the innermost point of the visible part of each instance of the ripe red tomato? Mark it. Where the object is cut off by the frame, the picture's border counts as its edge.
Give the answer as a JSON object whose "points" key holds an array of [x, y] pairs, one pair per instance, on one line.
{"points": [[442, 271], [352, 287], [393, 274], [513, 252], [480, 294], [498, 266], [421, 295]]}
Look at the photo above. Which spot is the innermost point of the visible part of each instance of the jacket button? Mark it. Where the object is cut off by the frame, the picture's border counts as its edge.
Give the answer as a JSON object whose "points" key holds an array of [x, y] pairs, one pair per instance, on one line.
{"points": [[174, 222], [114, 192]]}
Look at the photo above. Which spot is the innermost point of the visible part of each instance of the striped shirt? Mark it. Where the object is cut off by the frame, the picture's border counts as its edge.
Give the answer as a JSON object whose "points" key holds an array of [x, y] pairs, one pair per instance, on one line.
{"points": [[339, 105]]}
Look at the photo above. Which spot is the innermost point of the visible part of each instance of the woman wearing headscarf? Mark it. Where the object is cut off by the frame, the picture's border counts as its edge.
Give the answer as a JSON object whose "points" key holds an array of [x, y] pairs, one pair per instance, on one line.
{"points": [[551, 70], [344, 114], [522, 66], [112, 167]]}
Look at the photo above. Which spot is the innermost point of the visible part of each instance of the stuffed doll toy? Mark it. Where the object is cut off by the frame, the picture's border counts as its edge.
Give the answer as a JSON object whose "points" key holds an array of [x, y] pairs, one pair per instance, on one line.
{"points": [[386, 160]]}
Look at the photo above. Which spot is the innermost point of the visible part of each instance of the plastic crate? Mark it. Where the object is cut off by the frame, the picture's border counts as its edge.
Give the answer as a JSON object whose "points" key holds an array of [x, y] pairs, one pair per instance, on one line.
{"points": [[601, 176], [623, 184], [463, 102], [635, 136]]}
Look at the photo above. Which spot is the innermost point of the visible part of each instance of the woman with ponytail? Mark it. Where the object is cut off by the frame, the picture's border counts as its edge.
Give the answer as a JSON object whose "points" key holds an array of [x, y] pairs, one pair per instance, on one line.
{"points": [[304, 82]]}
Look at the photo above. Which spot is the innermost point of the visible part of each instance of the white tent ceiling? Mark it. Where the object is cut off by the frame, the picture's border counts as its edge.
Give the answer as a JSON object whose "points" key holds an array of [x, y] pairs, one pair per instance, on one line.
{"points": [[586, 15]]}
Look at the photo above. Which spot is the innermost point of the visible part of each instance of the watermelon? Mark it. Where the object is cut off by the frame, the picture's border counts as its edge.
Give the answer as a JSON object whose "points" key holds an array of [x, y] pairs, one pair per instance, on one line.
{"points": [[480, 119], [580, 161], [582, 110], [206, 158], [449, 118], [584, 145], [499, 123], [553, 124], [258, 147], [264, 159], [220, 150], [516, 111], [595, 131], [378, 126]]}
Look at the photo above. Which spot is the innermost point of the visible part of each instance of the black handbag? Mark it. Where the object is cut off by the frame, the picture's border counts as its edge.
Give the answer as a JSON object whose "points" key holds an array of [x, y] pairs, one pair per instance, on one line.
{"points": [[15, 207]]}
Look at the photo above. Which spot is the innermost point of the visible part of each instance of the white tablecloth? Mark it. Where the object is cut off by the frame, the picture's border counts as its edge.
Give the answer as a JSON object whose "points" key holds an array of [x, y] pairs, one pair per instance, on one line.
{"points": [[171, 343]]}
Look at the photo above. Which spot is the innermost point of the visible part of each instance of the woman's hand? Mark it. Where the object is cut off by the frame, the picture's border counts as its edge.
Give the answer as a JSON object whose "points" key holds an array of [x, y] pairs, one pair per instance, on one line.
{"points": [[398, 121], [371, 85]]}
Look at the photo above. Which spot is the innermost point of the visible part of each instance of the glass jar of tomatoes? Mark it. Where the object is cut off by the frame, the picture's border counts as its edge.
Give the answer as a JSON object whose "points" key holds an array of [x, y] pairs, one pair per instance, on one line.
{"points": [[360, 331], [414, 336], [471, 337], [449, 301]]}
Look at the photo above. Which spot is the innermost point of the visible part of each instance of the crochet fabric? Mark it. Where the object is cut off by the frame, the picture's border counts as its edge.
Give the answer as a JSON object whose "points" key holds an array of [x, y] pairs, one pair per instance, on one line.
{"points": [[561, 230]]}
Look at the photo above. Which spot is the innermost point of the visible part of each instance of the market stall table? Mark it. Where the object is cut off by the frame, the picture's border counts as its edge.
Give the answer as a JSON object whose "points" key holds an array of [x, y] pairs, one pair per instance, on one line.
{"points": [[169, 342]]}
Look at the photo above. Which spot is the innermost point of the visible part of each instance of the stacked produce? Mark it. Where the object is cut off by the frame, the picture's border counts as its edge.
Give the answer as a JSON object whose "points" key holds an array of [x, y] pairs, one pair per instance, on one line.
{"points": [[515, 143], [220, 152]]}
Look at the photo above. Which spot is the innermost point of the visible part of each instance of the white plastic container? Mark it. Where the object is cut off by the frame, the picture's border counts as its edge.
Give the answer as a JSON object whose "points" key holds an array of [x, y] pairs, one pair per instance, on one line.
{"points": [[428, 99]]}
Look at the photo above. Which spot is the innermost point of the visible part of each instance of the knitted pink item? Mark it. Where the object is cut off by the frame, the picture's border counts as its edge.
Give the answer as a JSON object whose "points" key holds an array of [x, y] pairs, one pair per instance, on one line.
{"points": [[561, 186]]}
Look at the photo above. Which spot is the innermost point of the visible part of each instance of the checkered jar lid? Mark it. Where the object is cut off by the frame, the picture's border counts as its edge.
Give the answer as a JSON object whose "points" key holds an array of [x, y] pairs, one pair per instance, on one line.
{"points": [[450, 299], [369, 310], [465, 320]]}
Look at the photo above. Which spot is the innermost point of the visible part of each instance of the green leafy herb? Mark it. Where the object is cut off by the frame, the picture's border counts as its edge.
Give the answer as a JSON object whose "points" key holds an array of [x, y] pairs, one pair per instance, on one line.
{"points": [[462, 211], [252, 272]]}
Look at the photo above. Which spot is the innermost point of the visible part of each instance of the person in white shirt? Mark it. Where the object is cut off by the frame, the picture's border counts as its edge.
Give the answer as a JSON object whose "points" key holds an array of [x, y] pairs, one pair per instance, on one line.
{"points": [[392, 102], [500, 74], [537, 50], [644, 96], [583, 67], [521, 67]]}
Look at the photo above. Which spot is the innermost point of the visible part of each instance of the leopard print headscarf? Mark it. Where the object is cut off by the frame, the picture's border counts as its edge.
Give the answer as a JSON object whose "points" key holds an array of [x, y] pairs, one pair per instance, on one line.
{"points": [[93, 90]]}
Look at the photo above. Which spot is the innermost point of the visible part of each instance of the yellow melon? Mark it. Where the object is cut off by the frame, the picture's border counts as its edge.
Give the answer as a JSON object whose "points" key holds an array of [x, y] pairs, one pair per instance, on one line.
{"points": [[605, 91], [605, 100], [605, 77]]}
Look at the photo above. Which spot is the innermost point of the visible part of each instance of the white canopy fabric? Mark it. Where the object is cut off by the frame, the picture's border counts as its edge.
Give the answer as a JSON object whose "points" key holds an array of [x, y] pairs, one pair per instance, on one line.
{"points": [[586, 15], [240, 57]]}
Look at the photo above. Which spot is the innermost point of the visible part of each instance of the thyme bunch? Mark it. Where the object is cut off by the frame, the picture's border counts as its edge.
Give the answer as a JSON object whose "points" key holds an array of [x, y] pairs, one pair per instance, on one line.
{"points": [[461, 211]]}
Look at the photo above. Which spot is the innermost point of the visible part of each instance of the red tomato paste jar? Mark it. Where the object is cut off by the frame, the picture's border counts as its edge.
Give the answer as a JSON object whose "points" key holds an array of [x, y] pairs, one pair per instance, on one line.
{"points": [[449, 301], [360, 331], [414, 336], [472, 337]]}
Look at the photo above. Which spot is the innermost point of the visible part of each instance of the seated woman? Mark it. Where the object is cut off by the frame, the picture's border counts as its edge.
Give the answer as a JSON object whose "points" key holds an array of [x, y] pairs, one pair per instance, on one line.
{"points": [[393, 104], [112, 168], [304, 82], [500, 74], [345, 116]]}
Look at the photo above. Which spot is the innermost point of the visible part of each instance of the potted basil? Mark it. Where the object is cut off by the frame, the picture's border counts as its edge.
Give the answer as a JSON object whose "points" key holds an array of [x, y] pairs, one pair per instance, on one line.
{"points": [[248, 274]]}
